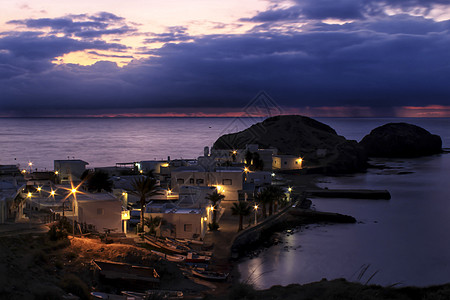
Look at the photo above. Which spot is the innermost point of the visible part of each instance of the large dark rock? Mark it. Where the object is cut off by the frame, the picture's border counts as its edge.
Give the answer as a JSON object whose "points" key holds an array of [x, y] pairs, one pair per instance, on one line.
{"points": [[301, 136], [401, 140]]}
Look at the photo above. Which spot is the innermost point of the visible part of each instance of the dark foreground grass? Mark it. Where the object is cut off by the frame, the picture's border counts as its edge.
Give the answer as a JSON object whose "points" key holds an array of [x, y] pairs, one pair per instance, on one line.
{"points": [[338, 289]]}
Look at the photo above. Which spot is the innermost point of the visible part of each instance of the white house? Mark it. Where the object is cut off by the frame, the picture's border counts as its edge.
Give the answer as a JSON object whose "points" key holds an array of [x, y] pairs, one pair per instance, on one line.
{"points": [[155, 165], [259, 178], [183, 223], [102, 210], [286, 162], [188, 218], [228, 180], [69, 170], [8, 192]]}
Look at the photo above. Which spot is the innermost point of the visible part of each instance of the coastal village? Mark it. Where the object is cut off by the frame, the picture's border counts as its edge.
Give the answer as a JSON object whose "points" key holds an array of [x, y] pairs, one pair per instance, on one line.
{"points": [[168, 205], [183, 220]]}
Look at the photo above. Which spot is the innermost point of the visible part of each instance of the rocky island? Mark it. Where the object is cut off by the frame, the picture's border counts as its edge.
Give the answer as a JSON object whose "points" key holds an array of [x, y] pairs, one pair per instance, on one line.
{"points": [[322, 149], [401, 140]]}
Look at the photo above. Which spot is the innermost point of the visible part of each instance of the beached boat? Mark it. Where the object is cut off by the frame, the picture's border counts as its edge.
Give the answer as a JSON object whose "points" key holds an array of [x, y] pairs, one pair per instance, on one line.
{"points": [[169, 257], [162, 245], [195, 258], [154, 294], [210, 275]]}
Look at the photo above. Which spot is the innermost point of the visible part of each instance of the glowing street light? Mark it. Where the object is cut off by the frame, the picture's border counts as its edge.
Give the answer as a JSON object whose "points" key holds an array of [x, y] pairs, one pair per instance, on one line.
{"points": [[256, 213], [29, 194], [39, 188], [289, 189], [52, 192]]}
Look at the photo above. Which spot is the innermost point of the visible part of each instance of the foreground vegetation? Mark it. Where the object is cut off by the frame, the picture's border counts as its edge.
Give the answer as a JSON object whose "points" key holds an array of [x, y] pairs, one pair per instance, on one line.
{"points": [[334, 290]]}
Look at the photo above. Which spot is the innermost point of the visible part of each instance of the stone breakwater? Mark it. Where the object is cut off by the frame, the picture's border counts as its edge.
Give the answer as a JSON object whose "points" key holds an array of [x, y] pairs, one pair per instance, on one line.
{"points": [[287, 218]]}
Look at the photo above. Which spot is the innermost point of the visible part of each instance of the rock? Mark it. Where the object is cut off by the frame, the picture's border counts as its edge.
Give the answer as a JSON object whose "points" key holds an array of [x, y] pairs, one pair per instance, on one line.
{"points": [[401, 140], [301, 136]]}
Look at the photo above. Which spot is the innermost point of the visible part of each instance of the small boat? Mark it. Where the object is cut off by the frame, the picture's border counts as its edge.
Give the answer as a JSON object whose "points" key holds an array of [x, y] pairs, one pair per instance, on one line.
{"points": [[210, 275], [169, 257], [162, 245], [195, 258]]}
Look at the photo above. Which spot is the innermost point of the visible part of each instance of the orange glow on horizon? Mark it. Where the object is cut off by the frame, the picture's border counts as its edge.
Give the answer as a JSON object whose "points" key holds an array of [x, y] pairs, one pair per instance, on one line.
{"points": [[430, 111]]}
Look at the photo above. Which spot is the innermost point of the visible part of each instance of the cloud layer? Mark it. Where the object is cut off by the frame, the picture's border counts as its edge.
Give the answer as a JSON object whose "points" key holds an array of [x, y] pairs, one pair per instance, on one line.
{"points": [[368, 59]]}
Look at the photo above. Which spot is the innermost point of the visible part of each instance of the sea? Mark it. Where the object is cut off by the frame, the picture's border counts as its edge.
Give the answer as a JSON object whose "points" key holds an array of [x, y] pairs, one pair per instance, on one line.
{"points": [[400, 242]]}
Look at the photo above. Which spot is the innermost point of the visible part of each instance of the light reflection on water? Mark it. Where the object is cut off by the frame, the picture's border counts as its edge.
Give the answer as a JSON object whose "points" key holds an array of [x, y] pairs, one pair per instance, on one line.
{"points": [[405, 240]]}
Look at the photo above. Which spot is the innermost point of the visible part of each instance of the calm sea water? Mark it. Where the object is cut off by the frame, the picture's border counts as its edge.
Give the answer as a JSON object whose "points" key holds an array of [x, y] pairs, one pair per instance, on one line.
{"points": [[403, 240], [107, 141]]}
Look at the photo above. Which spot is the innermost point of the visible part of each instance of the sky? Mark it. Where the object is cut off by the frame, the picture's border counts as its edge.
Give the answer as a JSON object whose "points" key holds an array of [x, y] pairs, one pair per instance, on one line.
{"points": [[337, 58]]}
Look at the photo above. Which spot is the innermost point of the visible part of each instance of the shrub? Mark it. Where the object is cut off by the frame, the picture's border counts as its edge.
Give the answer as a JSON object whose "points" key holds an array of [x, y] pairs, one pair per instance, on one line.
{"points": [[56, 233], [73, 284]]}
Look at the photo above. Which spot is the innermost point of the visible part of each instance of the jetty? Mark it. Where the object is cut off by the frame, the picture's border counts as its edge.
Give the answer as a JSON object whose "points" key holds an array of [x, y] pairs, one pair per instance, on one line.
{"points": [[350, 193]]}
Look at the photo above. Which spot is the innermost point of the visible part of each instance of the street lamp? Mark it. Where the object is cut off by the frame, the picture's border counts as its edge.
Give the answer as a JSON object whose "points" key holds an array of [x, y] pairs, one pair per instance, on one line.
{"points": [[256, 213], [73, 191]]}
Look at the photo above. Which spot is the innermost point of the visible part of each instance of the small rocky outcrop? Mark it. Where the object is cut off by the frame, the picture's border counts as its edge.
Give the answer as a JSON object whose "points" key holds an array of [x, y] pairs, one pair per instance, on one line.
{"points": [[318, 144], [401, 140]]}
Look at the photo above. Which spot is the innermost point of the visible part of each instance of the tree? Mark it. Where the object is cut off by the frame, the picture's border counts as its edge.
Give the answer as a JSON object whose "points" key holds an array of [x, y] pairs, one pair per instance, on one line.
{"points": [[275, 194], [144, 188], [262, 198], [215, 199], [152, 223], [99, 181], [241, 209]]}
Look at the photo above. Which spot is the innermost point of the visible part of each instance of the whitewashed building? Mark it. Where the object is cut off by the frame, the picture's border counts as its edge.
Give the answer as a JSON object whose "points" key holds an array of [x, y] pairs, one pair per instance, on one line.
{"points": [[286, 162], [69, 170], [228, 180]]}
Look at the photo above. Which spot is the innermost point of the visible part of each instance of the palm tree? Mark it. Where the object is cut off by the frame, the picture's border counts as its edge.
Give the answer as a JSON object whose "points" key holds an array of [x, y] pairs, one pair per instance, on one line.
{"points": [[262, 198], [144, 188], [99, 181], [275, 194], [241, 209], [215, 198], [152, 223]]}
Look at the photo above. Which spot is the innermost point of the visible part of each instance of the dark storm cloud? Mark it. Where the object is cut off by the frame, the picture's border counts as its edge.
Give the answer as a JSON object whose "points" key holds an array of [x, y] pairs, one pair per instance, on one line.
{"points": [[377, 62], [85, 26], [342, 9], [173, 34], [21, 53], [274, 15]]}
